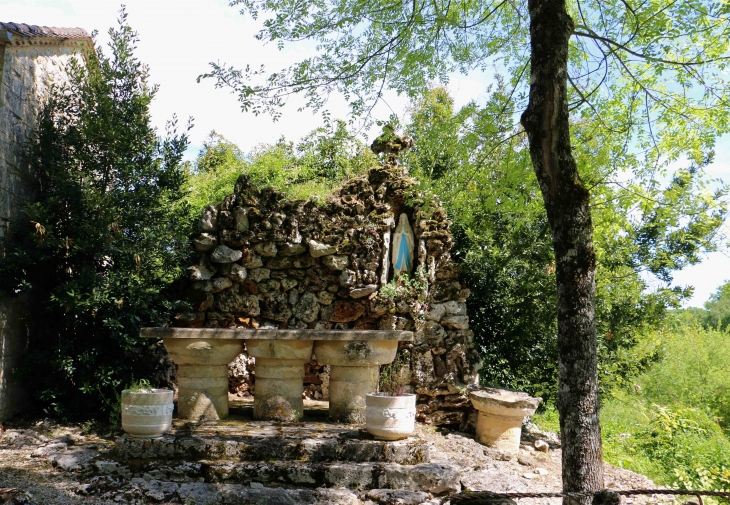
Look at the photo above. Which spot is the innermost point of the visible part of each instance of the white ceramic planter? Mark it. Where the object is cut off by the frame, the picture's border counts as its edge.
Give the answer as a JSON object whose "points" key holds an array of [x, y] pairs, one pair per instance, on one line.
{"points": [[147, 414], [390, 417]]}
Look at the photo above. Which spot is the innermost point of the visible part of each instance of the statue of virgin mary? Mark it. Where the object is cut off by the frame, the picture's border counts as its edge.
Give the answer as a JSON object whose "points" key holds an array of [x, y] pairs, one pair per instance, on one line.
{"points": [[403, 245]]}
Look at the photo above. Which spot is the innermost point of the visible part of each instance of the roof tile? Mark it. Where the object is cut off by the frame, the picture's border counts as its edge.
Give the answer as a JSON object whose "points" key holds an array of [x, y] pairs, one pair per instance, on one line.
{"points": [[45, 31]]}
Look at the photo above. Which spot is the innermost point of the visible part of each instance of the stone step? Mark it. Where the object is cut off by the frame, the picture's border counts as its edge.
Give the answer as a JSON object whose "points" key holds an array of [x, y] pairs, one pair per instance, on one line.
{"points": [[145, 491], [266, 441], [435, 478]]}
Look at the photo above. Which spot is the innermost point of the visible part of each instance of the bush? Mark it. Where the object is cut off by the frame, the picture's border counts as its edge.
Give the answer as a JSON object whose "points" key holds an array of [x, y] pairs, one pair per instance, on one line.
{"points": [[694, 372], [105, 238], [676, 446], [669, 424], [318, 164]]}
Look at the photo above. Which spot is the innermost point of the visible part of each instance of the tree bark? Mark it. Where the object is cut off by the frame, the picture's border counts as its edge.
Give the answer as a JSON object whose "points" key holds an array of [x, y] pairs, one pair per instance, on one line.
{"points": [[567, 205]]}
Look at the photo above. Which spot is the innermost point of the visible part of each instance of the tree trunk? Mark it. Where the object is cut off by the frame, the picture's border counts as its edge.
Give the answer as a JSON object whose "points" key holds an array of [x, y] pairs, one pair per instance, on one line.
{"points": [[567, 205]]}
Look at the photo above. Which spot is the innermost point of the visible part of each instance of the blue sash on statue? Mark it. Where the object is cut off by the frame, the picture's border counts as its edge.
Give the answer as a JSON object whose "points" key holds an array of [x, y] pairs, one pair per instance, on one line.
{"points": [[403, 254]]}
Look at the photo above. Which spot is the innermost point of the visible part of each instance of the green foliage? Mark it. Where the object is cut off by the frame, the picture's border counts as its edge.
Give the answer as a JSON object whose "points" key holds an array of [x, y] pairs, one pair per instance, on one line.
{"points": [[695, 371], [676, 446], [215, 171], [394, 376], [311, 170], [105, 238], [140, 386], [716, 313], [402, 287], [654, 74], [480, 167], [687, 443], [672, 423]]}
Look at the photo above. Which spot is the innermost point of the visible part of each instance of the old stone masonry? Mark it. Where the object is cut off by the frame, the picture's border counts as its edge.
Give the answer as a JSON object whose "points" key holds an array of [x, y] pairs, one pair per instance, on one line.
{"points": [[266, 262]]}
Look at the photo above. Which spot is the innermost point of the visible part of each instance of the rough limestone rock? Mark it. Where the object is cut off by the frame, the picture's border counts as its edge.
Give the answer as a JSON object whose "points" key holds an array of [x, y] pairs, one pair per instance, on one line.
{"points": [[345, 312], [318, 250], [224, 254], [240, 215], [200, 273], [307, 309], [289, 249], [262, 261], [259, 274], [336, 262], [267, 249], [436, 312], [205, 242], [435, 478], [235, 272], [397, 496], [208, 219]]}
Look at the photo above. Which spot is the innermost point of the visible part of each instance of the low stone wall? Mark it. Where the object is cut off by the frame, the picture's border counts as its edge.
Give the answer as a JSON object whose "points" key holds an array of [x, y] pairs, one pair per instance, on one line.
{"points": [[266, 262]]}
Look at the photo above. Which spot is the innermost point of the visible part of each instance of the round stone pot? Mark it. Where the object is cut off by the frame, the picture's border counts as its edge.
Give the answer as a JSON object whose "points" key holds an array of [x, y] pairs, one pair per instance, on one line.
{"points": [[501, 413], [146, 414], [390, 417]]}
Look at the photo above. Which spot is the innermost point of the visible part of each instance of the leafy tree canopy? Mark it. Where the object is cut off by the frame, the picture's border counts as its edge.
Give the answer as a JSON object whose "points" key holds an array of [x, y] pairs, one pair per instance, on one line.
{"points": [[652, 73], [480, 167], [106, 237]]}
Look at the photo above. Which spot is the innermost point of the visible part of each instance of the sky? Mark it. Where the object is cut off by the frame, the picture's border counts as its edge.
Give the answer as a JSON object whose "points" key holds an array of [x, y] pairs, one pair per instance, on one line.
{"points": [[178, 39]]}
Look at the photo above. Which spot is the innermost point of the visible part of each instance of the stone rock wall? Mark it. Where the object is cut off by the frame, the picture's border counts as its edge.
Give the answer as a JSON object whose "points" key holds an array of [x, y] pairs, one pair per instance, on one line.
{"points": [[28, 67], [266, 262]]}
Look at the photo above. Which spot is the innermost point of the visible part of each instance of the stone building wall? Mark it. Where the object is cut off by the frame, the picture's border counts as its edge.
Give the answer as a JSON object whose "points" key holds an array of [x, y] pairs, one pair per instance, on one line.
{"points": [[31, 59], [266, 262]]}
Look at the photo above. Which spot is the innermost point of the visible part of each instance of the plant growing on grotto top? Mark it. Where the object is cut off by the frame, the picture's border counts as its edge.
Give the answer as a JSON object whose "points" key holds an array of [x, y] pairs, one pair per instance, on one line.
{"points": [[106, 237], [311, 169]]}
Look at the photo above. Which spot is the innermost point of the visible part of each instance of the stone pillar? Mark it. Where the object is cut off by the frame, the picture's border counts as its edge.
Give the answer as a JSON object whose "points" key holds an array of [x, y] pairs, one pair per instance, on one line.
{"points": [[202, 375], [279, 377], [354, 370], [349, 385], [501, 414], [202, 391]]}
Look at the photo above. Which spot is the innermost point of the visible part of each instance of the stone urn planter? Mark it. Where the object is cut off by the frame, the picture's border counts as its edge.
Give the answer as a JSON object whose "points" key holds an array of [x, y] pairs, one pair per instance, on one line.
{"points": [[390, 417], [501, 414], [146, 413]]}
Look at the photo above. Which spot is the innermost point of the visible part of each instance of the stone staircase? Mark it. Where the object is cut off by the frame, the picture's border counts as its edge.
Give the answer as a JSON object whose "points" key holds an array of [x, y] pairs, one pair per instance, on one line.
{"points": [[240, 460]]}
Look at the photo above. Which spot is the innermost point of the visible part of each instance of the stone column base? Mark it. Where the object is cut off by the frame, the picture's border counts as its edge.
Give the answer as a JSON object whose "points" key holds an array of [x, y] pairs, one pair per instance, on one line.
{"points": [[348, 387], [501, 413], [202, 392], [279, 386]]}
